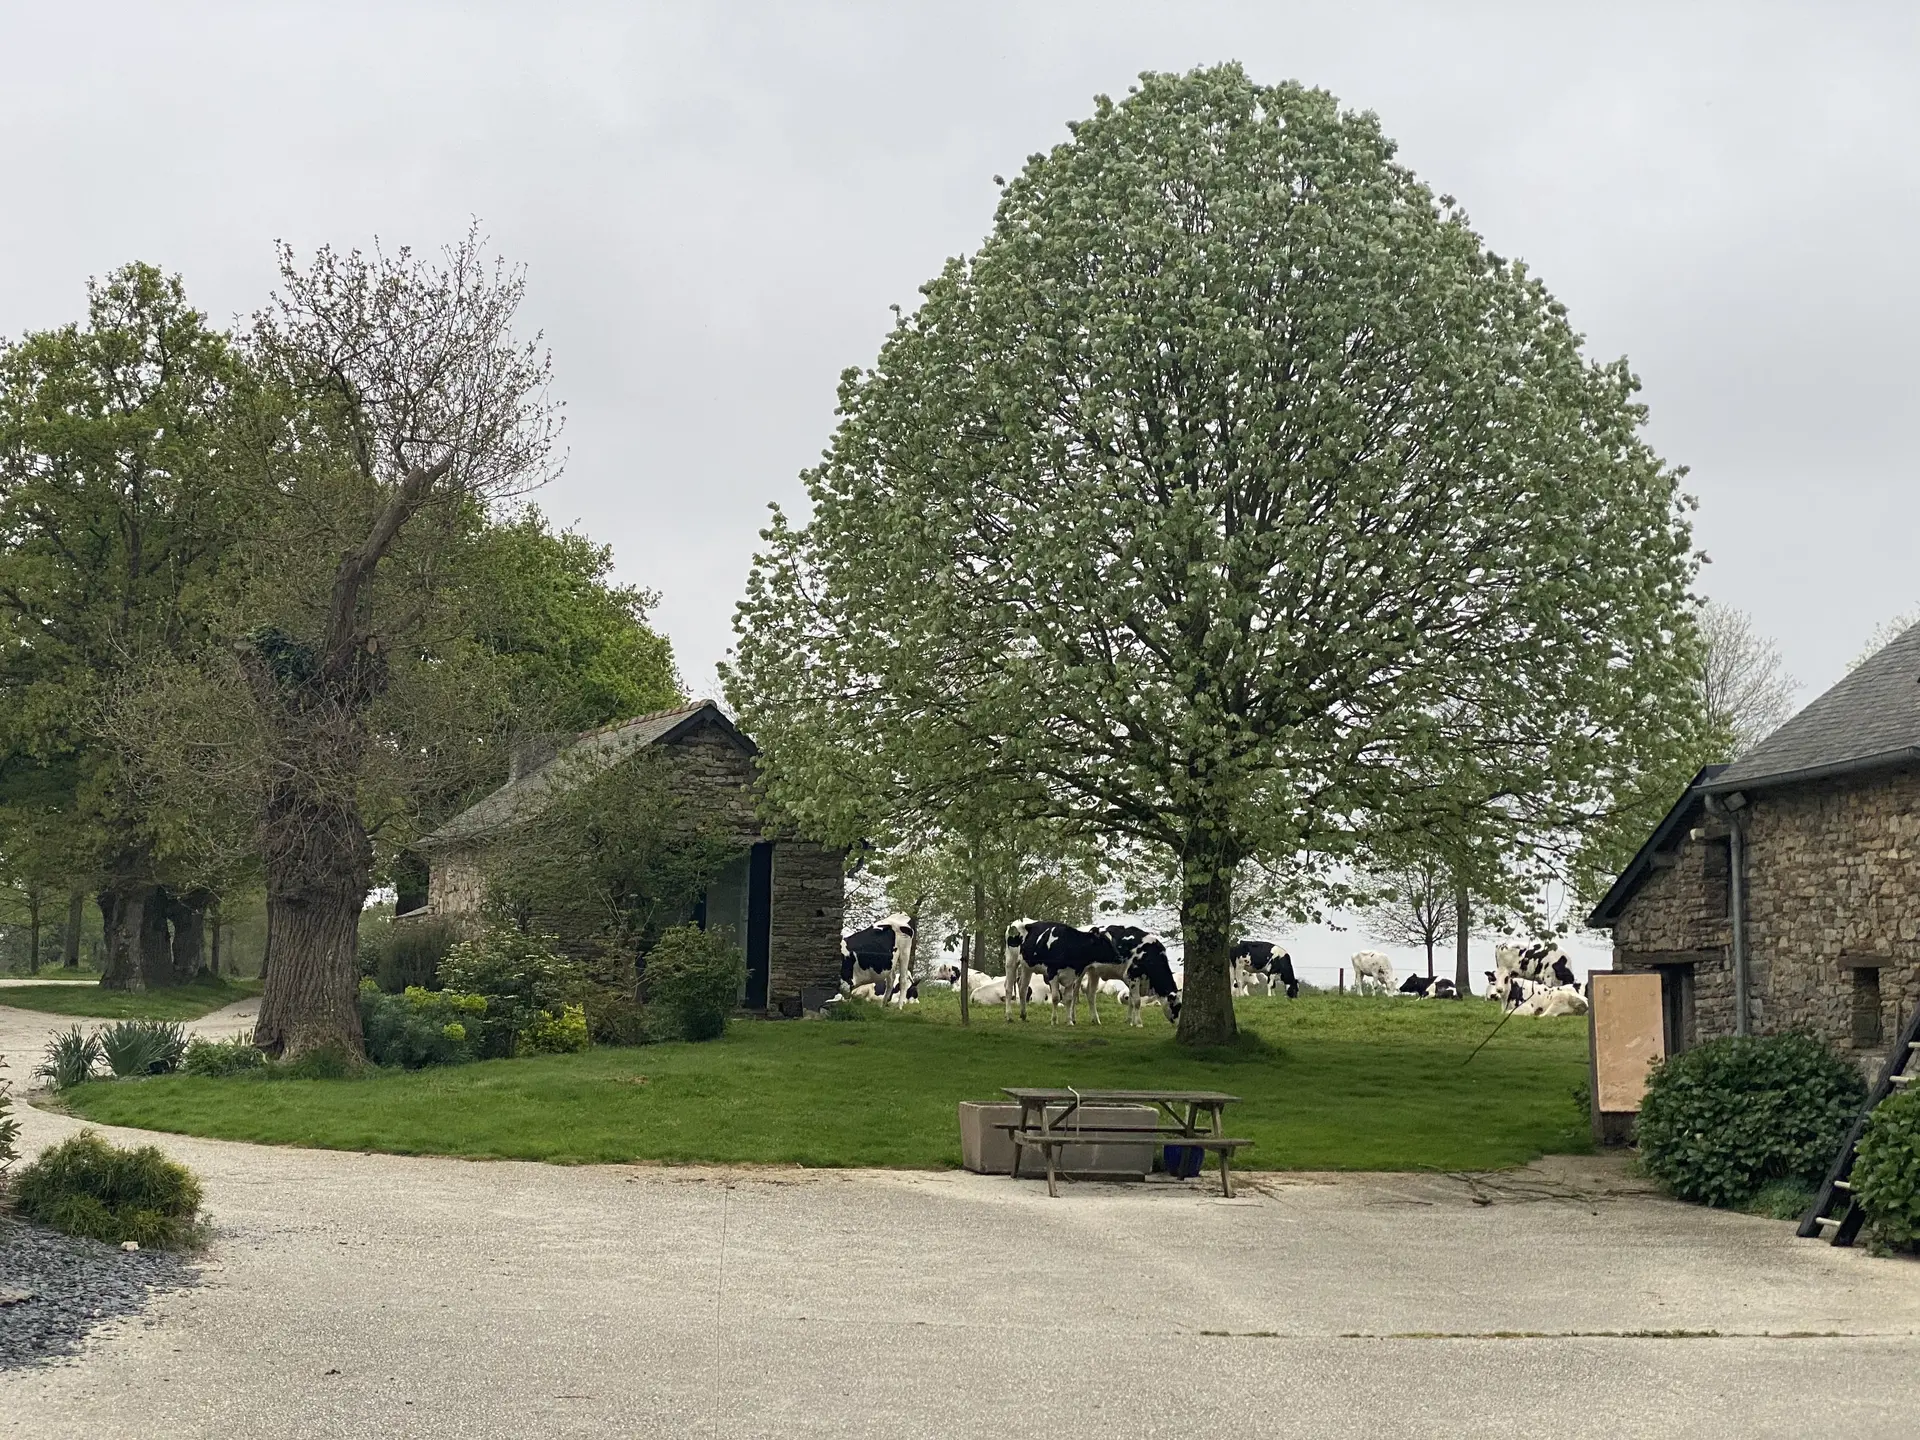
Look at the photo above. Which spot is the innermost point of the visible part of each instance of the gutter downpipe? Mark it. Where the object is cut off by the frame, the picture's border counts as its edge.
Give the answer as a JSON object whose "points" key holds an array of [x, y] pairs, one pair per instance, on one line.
{"points": [[1733, 807]]}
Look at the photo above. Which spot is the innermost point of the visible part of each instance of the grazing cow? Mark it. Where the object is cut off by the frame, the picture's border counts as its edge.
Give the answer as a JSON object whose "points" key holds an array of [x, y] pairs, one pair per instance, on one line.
{"points": [[1065, 955], [879, 953], [1145, 970], [1533, 962], [1262, 963], [1372, 973]]}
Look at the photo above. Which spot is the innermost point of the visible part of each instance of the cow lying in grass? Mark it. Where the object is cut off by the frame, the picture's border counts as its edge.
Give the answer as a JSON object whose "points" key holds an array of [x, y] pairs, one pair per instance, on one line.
{"points": [[1531, 997], [1429, 987]]}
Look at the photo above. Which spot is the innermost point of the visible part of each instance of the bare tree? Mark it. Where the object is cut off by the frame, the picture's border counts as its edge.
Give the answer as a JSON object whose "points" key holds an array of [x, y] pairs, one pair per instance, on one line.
{"points": [[1744, 686], [1413, 904], [395, 402], [1884, 634]]}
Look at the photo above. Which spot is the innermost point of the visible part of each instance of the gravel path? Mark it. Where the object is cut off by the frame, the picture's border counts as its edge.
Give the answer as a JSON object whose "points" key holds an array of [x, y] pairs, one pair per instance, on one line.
{"points": [[55, 1290]]}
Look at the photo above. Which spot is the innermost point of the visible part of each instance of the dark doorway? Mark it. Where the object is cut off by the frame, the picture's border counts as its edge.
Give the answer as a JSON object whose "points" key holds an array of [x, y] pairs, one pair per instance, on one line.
{"points": [[1676, 1005], [759, 924]]}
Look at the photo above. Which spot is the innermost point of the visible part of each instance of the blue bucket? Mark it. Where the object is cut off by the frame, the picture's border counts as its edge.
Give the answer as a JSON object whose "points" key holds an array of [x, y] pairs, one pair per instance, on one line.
{"points": [[1181, 1161]]}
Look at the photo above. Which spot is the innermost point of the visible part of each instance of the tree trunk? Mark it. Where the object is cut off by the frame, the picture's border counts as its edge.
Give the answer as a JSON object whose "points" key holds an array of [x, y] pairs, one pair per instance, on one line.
{"points": [[1462, 922], [33, 930], [70, 939], [319, 871], [213, 919], [1206, 923], [1429, 955], [188, 916], [139, 956], [979, 940]]}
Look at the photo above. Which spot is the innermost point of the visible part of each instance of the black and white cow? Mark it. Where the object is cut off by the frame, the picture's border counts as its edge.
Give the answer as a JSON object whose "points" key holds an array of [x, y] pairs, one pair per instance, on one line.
{"points": [[1067, 957], [1264, 963], [878, 956], [1018, 972], [1543, 963], [1429, 987], [1144, 968]]}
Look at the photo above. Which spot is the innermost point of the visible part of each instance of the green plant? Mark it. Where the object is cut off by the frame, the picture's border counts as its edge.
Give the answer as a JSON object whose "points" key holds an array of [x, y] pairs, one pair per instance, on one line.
{"points": [[1886, 1174], [323, 1062], [9, 1129], [519, 975], [142, 1047], [71, 1059], [851, 1007], [419, 1027], [1782, 1199], [614, 1017], [1722, 1119], [84, 1186], [401, 953], [693, 979], [562, 1034], [237, 1056]]}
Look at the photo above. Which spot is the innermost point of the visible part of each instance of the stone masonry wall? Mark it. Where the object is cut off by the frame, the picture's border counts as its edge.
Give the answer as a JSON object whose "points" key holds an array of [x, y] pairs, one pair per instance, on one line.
{"points": [[1833, 870], [809, 910], [456, 882], [718, 776]]}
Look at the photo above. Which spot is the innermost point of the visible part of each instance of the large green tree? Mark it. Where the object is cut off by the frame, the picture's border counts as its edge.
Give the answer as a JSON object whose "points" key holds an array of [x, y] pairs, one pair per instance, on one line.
{"points": [[116, 518], [1233, 500]]}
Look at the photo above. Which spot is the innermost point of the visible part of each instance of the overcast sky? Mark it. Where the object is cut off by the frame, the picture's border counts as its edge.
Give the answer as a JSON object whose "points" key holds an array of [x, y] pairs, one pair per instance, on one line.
{"points": [[717, 204]]}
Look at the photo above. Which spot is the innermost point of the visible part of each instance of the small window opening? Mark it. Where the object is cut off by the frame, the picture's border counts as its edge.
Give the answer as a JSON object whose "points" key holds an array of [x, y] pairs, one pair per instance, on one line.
{"points": [[1866, 1007], [1717, 864]]}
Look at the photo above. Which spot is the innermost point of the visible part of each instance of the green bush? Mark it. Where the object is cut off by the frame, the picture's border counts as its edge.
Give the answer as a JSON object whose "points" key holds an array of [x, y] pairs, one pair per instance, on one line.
{"points": [[9, 1129], [142, 1047], [238, 1056], [521, 976], [86, 1187], [71, 1059], [419, 1027], [1721, 1120], [1886, 1173], [851, 1007], [614, 1017], [328, 1062], [397, 954], [693, 980], [562, 1034]]}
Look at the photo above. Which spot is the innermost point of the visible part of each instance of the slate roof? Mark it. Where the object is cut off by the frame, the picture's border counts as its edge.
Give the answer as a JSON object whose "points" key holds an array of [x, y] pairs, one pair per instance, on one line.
{"points": [[1871, 719], [580, 760], [1685, 810]]}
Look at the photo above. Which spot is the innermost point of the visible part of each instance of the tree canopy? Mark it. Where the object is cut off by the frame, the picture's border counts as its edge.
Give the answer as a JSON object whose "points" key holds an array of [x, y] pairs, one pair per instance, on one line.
{"points": [[1232, 500]]}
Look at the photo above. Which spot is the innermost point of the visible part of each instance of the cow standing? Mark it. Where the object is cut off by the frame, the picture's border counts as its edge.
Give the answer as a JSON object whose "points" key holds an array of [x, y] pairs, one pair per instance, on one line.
{"points": [[1372, 972], [1266, 962], [878, 956], [1144, 969]]}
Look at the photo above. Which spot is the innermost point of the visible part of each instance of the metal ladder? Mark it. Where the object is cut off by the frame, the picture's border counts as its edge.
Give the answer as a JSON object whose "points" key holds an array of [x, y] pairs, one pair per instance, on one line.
{"points": [[1834, 1205]]}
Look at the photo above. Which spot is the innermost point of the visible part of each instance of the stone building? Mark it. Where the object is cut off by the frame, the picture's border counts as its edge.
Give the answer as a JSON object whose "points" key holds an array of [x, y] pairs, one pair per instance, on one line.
{"points": [[782, 896], [1787, 884]]}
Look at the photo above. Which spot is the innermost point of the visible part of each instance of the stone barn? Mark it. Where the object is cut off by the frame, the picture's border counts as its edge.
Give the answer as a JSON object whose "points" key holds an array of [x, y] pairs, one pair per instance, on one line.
{"points": [[1782, 891], [781, 895]]}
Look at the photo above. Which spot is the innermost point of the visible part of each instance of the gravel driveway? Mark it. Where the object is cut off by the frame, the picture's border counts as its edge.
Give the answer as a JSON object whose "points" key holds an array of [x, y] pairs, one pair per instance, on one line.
{"points": [[371, 1295]]}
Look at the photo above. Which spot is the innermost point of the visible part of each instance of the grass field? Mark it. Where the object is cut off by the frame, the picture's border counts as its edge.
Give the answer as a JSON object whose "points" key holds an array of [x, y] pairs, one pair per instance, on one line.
{"points": [[1328, 1082], [182, 1002]]}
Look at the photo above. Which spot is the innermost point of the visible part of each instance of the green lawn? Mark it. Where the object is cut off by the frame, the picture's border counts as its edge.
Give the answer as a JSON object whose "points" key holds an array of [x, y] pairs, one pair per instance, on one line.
{"points": [[182, 1002], [1332, 1082]]}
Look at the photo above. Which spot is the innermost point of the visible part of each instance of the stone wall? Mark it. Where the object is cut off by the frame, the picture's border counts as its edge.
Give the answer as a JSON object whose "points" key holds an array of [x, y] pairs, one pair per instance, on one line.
{"points": [[1833, 871], [715, 774], [456, 881], [809, 911]]}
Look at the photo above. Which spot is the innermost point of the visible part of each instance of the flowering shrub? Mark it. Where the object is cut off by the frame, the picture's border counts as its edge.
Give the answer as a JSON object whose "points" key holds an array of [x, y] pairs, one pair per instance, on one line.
{"points": [[419, 1027], [521, 977], [562, 1034]]}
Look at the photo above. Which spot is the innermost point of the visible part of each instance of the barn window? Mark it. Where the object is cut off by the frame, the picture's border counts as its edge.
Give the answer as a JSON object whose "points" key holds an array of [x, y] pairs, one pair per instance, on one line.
{"points": [[1717, 868], [1676, 1006], [1866, 1006]]}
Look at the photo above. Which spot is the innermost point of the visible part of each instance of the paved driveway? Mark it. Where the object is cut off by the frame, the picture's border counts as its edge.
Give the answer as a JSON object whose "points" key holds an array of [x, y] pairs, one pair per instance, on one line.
{"points": [[366, 1295]]}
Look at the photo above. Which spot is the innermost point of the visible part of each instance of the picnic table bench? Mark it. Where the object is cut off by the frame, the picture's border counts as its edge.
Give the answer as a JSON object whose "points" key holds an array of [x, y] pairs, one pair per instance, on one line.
{"points": [[1184, 1111]]}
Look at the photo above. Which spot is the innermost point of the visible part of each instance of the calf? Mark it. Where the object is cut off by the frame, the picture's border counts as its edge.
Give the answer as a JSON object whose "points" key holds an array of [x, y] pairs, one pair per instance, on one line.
{"points": [[1372, 972], [876, 954], [1266, 962]]}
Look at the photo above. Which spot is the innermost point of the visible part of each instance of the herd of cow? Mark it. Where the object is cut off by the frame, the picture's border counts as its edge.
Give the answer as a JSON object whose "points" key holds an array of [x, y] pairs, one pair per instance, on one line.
{"points": [[1056, 962]]}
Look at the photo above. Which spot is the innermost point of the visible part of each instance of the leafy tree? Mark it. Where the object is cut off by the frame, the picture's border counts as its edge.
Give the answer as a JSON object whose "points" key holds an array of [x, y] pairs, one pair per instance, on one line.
{"points": [[1744, 687], [1233, 500], [116, 516], [394, 405]]}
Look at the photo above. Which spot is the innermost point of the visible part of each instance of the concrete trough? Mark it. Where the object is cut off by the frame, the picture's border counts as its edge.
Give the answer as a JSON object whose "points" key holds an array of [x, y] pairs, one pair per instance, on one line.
{"points": [[986, 1149]]}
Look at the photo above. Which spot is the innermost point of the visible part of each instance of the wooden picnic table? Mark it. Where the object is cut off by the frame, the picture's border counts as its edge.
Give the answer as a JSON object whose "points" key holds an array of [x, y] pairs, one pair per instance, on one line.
{"points": [[1184, 1110]]}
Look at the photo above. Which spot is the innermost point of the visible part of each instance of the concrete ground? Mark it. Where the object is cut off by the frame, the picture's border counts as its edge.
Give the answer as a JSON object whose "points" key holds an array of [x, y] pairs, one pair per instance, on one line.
{"points": [[369, 1295]]}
